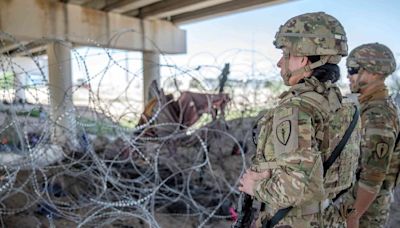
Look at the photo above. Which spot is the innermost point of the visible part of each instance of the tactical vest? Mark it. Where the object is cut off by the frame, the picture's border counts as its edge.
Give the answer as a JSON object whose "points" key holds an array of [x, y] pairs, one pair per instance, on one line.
{"points": [[331, 117], [342, 174], [336, 118]]}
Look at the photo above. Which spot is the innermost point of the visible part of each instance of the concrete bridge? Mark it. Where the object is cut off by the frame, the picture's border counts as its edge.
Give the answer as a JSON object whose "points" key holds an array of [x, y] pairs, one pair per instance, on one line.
{"points": [[151, 28]]}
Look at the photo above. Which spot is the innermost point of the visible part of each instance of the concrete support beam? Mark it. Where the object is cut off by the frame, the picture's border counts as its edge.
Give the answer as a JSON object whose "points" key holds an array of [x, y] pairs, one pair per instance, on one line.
{"points": [[60, 86], [226, 8], [99, 4], [151, 71], [7, 47], [78, 2], [88, 27], [168, 8], [123, 6]]}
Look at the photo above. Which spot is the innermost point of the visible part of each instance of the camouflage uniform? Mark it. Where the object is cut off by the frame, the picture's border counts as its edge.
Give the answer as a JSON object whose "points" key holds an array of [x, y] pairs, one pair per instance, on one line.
{"points": [[394, 214], [293, 143], [301, 132], [380, 126]]}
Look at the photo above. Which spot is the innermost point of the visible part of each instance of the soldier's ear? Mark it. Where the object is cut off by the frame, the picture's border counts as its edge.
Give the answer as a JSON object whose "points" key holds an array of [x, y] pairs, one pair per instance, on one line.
{"points": [[305, 61]]}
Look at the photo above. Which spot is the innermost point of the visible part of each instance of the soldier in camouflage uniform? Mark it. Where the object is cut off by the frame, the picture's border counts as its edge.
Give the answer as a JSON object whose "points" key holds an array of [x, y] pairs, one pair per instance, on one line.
{"points": [[299, 134], [368, 66]]}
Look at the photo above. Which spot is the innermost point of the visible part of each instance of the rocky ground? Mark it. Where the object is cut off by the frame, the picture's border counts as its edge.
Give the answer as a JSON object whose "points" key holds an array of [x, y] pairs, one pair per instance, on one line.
{"points": [[133, 181], [136, 181]]}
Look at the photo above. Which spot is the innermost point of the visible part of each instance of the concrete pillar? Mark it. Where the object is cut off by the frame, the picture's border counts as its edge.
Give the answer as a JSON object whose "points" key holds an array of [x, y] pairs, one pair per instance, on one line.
{"points": [[60, 86], [151, 71], [19, 85], [21, 65]]}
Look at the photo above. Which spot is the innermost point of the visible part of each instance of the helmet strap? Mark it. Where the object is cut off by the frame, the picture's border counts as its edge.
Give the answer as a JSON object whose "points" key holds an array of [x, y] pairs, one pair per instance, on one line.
{"points": [[307, 68], [359, 84], [288, 74]]}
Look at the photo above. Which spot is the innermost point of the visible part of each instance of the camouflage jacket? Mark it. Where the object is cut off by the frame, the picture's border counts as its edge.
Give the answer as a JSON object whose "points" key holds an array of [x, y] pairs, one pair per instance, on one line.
{"points": [[294, 140], [380, 126]]}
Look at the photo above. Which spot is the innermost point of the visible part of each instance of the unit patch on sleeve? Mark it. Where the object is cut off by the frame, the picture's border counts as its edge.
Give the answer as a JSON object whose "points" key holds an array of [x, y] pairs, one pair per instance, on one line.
{"points": [[382, 149], [285, 130]]}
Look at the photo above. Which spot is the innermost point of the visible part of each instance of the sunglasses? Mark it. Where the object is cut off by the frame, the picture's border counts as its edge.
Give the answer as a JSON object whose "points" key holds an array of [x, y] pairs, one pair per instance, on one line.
{"points": [[353, 70]]}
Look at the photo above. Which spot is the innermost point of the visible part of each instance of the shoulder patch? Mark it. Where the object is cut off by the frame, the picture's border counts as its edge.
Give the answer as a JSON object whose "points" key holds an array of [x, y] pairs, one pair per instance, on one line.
{"points": [[285, 130], [382, 149]]}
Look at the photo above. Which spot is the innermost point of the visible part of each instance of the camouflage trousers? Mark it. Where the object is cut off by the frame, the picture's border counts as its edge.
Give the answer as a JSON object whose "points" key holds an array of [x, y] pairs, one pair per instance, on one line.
{"points": [[394, 214], [378, 212], [329, 218]]}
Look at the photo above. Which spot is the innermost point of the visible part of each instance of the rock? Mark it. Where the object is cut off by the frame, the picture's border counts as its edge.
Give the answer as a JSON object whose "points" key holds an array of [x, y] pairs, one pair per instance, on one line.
{"points": [[42, 156]]}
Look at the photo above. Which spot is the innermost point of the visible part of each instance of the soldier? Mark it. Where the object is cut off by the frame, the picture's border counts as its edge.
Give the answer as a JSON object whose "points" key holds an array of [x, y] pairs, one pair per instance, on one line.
{"points": [[368, 66], [298, 137]]}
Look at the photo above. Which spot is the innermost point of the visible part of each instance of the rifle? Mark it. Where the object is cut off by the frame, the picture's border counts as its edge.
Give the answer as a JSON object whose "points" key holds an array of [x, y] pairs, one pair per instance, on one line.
{"points": [[245, 211], [245, 204]]}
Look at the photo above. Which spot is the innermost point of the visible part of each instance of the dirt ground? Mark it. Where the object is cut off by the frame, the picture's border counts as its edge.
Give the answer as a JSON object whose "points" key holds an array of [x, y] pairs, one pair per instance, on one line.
{"points": [[193, 181]]}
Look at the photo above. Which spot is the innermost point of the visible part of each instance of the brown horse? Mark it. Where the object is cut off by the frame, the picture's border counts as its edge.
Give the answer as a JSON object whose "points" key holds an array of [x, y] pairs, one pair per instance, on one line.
{"points": [[184, 112]]}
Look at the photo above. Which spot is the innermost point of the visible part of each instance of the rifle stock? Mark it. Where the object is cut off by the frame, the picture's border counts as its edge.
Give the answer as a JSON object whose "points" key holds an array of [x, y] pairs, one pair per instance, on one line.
{"points": [[245, 211]]}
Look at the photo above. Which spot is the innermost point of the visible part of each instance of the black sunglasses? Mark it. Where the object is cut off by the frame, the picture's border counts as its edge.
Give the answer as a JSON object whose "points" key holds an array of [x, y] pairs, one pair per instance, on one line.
{"points": [[353, 70]]}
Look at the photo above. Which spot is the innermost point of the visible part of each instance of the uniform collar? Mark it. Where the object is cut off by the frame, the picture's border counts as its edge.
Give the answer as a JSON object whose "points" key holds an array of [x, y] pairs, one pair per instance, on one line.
{"points": [[377, 92], [327, 89], [306, 85]]}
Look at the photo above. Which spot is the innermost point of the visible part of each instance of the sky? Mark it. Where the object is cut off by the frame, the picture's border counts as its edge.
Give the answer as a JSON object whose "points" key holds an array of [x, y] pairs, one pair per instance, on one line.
{"points": [[221, 39], [364, 21], [245, 41]]}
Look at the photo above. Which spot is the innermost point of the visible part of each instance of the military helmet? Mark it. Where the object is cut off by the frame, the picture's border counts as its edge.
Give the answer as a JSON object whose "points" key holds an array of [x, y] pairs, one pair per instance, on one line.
{"points": [[311, 34], [374, 57]]}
